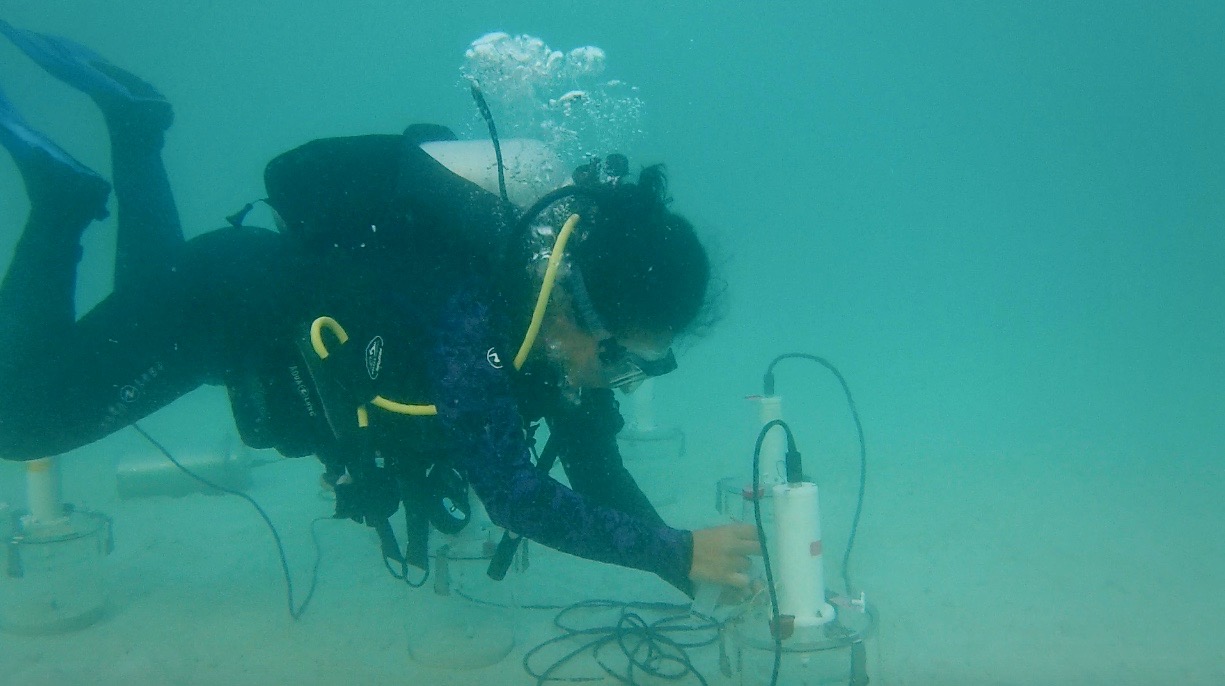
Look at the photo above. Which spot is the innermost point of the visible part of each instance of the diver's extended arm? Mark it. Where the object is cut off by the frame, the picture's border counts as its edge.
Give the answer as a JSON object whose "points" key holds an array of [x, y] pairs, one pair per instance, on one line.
{"points": [[591, 457], [480, 419]]}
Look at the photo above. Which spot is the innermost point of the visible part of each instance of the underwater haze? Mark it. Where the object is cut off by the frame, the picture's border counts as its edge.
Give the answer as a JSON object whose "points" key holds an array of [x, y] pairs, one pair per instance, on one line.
{"points": [[1004, 222]]}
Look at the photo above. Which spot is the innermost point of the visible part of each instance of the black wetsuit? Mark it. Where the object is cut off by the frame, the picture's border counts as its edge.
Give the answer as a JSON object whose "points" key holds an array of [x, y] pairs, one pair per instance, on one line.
{"points": [[405, 256]]}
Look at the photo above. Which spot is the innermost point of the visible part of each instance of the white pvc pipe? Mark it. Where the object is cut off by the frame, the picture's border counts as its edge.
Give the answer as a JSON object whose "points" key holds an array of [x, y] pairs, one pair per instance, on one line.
{"points": [[43, 491], [797, 556], [642, 407]]}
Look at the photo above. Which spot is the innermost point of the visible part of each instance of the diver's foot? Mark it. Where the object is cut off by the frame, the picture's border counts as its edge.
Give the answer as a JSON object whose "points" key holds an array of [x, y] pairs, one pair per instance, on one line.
{"points": [[55, 181], [121, 95]]}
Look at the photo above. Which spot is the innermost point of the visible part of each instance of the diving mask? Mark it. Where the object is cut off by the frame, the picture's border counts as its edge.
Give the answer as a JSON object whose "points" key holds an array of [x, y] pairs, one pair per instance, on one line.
{"points": [[626, 369], [623, 367]]}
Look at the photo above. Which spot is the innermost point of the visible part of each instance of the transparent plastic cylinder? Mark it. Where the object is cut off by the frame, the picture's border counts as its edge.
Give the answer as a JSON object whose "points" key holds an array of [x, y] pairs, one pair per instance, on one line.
{"points": [[652, 453], [53, 578], [469, 621]]}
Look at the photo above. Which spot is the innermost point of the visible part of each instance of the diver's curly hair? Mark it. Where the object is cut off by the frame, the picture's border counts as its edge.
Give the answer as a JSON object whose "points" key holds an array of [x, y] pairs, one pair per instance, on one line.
{"points": [[642, 264]]}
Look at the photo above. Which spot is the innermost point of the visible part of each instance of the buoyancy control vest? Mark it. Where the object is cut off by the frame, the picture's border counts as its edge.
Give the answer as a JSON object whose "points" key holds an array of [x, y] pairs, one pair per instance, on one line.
{"points": [[366, 213]]}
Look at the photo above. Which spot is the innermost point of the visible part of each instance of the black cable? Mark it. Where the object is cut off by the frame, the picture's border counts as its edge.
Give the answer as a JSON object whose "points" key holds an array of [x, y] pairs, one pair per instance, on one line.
{"points": [[655, 649], [402, 575], [768, 389], [776, 619], [665, 657], [297, 613], [534, 606]]}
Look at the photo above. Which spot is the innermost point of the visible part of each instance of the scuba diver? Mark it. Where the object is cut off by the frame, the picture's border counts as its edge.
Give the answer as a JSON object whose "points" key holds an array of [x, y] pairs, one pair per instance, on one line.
{"points": [[380, 329]]}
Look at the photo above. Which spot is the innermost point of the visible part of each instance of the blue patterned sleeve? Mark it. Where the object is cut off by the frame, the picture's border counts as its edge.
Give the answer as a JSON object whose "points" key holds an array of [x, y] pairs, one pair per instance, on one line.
{"points": [[480, 419]]}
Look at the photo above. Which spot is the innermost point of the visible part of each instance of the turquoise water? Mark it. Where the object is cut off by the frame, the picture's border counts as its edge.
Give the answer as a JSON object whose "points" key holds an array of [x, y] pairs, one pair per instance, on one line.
{"points": [[1003, 222]]}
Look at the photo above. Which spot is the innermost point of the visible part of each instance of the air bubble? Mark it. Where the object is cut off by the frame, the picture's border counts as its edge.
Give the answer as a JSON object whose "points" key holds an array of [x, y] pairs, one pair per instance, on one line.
{"points": [[559, 98]]}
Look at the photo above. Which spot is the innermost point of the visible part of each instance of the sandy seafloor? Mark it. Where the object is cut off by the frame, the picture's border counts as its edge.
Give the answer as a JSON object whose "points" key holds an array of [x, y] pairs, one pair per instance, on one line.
{"points": [[1004, 224], [1035, 586]]}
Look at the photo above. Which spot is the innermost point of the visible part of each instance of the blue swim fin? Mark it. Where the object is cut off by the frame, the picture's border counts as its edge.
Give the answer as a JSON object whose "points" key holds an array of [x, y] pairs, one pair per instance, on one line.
{"points": [[20, 139], [31, 149], [88, 72]]}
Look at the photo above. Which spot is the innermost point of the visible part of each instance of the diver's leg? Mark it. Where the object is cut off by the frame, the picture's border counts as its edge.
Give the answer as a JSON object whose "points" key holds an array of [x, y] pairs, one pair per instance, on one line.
{"points": [[126, 358], [37, 313], [137, 351], [150, 236], [65, 197], [137, 116]]}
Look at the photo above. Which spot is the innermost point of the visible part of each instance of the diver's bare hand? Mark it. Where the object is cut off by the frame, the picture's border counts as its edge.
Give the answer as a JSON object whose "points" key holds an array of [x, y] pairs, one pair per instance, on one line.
{"points": [[721, 554]]}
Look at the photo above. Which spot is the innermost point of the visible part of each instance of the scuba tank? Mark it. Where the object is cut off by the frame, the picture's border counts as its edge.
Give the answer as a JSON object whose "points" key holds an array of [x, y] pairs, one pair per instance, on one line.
{"points": [[531, 167]]}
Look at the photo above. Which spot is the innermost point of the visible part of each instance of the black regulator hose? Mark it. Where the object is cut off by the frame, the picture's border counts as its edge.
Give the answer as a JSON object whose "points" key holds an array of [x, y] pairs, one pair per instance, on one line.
{"points": [[548, 199], [483, 106]]}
